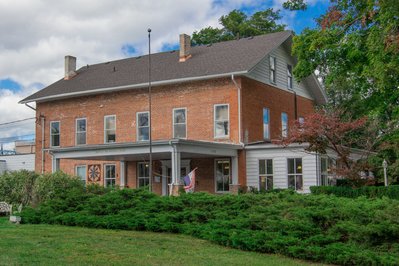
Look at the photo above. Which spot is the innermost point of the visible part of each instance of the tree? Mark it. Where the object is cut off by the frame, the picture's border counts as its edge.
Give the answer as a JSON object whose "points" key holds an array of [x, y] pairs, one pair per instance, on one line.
{"points": [[238, 25], [355, 51], [325, 130]]}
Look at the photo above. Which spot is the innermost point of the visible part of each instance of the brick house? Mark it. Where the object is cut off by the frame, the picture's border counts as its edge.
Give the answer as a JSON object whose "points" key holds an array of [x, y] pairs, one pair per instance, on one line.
{"points": [[215, 107]]}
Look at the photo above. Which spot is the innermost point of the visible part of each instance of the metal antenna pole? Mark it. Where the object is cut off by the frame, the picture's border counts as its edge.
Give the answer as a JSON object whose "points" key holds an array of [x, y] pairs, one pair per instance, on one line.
{"points": [[149, 103]]}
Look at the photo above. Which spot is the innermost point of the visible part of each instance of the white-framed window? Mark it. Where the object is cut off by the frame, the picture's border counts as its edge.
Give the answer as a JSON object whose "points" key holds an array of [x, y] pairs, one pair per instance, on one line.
{"points": [[80, 131], [289, 76], [272, 62], [266, 123], [266, 174], [326, 175], [143, 174], [110, 175], [295, 179], [284, 125], [109, 128], [143, 126], [180, 123], [81, 172], [55, 129], [222, 175], [221, 120]]}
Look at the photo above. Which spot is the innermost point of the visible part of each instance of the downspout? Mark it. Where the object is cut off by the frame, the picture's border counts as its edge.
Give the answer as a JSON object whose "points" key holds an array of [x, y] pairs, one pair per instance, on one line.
{"points": [[295, 106], [239, 109], [42, 122]]}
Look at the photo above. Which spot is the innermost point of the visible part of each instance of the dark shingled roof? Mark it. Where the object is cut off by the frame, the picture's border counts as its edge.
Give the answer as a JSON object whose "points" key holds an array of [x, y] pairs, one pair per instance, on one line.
{"points": [[220, 58]]}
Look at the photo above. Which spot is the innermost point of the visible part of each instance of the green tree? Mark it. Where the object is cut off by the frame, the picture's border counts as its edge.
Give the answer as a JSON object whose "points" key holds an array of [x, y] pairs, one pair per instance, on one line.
{"points": [[355, 51], [238, 25]]}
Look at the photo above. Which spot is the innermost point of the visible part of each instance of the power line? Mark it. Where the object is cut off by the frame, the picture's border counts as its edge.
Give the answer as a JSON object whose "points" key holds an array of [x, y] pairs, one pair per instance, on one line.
{"points": [[17, 121]]}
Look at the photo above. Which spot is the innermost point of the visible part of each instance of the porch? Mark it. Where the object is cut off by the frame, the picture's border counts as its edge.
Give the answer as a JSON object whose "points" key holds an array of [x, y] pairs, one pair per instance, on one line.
{"points": [[127, 164]]}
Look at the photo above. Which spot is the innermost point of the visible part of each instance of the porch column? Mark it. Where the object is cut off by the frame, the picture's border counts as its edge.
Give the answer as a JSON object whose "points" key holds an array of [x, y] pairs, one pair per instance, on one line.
{"points": [[122, 175], [234, 186], [176, 183], [55, 164]]}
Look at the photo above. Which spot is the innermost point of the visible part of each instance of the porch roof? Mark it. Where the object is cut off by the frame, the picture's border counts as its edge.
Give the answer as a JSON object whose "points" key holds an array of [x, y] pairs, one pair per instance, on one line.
{"points": [[140, 150]]}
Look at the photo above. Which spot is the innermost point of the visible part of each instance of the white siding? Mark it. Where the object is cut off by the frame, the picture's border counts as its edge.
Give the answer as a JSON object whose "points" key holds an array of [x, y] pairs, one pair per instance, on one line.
{"points": [[280, 156], [261, 72], [19, 162]]}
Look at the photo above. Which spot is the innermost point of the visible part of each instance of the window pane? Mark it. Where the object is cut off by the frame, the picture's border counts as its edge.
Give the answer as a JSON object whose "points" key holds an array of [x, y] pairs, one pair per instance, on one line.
{"points": [[144, 133], [291, 181], [269, 166], [291, 166], [222, 112], [262, 182], [143, 120], [266, 118], [289, 70], [226, 168], [81, 125], [298, 162], [180, 116], [272, 63], [269, 183], [262, 167], [144, 182], [180, 131], [55, 140], [110, 136], [110, 122], [81, 138], [299, 183], [55, 127], [284, 124], [222, 128]]}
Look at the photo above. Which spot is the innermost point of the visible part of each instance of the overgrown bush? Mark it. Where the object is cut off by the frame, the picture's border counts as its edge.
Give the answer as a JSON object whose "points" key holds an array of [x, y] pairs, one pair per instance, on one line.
{"points": [[313, 227], [367, 191], [17, 187]]}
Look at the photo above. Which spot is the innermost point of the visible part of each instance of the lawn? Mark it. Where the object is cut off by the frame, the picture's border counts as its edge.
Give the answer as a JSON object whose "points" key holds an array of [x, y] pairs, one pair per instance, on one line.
{"points": [[60, 245]]}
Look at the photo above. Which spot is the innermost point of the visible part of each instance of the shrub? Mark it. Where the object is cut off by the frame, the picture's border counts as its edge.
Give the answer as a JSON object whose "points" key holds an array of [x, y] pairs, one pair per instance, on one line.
{"points": [[367, 191], [17, 187], [314, 227]]}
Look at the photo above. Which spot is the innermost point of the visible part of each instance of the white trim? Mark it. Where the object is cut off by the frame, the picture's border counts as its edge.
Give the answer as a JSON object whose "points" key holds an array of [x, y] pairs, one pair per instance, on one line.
{"points": [[76, 131], [214, 120], [214, 175], [137, 126], [59, 134], [105, 137], [105, 173], [173, 120], [131, 86]]}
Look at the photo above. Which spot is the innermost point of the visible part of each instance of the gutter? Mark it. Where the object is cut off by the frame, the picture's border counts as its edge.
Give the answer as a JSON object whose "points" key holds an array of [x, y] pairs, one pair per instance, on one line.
{"points": [[128, 87]]}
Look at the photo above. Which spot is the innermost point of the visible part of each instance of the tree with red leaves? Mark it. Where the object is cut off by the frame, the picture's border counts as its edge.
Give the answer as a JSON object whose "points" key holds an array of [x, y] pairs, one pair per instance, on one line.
{"points": [[325, 130]]}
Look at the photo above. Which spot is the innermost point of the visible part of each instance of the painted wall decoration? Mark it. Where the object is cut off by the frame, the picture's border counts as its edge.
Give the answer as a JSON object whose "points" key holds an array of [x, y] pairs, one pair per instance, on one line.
{"points": [[94, 172]]}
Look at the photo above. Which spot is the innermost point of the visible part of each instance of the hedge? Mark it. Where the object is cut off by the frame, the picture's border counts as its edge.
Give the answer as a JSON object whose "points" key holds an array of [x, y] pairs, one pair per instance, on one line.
{"points": [[391, 192], [313, 227]]}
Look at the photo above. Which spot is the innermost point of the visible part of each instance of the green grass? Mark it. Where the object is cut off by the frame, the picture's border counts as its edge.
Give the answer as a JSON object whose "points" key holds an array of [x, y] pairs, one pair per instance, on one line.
{"points": [[61, 245]]}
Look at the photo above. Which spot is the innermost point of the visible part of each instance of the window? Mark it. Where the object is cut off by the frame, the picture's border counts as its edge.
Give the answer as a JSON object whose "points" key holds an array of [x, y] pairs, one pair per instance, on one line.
{"points": [[80, 131], [289, 76], [110, 129], [143, 126], [179, 123], [222, 175], [55, 134], [301, 120], [284, 125], [80, 171], [143, 174], [272, 69], [266, 123], [295, 180], [110, 175], [326, 175], [221, 120], [266, 174]]}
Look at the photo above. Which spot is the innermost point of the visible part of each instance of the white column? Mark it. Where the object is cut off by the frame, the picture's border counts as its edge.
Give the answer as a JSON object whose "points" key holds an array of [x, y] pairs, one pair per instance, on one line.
{"points": [[175, 167], [234, 170], [122, 175], [54, 164]]}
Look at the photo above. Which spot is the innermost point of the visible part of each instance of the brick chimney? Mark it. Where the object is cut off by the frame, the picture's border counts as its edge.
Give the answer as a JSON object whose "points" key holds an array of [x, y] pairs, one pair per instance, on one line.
{"points": [[70, 67], [185, 45]]}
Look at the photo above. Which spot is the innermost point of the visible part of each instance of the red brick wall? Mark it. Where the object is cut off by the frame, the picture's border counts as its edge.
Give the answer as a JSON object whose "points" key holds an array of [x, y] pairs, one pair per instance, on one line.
{"points": [[256, 96]]}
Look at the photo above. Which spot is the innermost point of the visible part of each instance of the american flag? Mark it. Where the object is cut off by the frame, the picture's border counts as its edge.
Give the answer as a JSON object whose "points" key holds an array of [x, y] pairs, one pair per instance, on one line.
{"points": [[189, 182]]}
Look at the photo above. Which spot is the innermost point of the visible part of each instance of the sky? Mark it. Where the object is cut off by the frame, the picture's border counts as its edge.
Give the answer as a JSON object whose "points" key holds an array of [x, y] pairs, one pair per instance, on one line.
{"points": [[37, 34]]}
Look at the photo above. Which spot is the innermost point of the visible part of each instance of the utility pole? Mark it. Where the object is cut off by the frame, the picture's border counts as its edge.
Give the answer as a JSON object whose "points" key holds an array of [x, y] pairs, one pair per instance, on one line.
{"points": [[149, 104]]}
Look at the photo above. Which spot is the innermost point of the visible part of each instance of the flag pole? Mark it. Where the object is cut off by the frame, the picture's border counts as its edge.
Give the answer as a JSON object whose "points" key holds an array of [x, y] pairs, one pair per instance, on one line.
{"points": [[149, 106]]}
